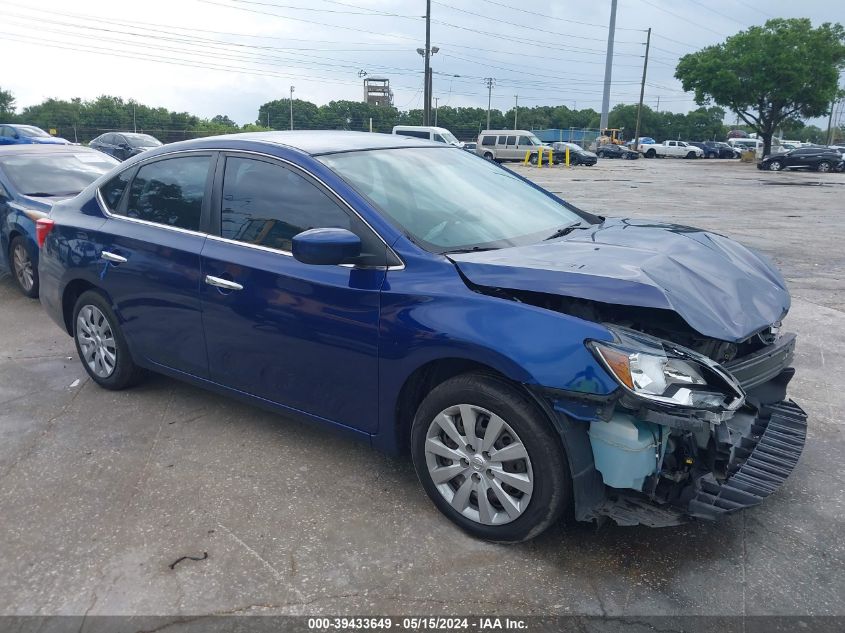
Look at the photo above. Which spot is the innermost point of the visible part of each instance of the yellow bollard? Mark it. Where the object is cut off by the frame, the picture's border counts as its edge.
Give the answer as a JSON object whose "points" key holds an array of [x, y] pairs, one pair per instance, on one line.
{"points": [[540, 157], [567, 157], [527, 156]]}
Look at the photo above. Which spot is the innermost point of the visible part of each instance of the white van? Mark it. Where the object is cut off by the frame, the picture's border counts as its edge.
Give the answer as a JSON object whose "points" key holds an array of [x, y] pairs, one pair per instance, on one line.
{"points": [[502, 145], [438, 134]]}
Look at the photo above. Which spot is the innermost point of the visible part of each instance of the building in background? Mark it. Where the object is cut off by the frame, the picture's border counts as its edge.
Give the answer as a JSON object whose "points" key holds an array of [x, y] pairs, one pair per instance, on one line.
{"points": [[377, 91]]}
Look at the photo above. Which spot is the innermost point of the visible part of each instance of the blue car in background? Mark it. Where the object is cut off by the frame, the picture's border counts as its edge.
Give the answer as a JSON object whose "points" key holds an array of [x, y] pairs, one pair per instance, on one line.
{"points": [[534, 359], [14, 134], [32, 178]]}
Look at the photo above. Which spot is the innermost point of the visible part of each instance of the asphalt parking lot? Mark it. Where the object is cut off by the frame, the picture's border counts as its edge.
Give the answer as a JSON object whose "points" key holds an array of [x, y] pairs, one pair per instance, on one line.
{"points": [[101, 492]]}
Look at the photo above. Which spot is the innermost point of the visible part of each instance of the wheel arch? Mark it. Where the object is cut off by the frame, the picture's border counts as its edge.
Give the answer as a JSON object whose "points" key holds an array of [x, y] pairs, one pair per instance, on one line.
{"points": [[72, 291]]}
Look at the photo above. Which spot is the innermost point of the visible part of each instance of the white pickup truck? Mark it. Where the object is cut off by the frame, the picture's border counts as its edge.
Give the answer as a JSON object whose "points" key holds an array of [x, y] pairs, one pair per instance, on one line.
{"points": [[675, 149]]}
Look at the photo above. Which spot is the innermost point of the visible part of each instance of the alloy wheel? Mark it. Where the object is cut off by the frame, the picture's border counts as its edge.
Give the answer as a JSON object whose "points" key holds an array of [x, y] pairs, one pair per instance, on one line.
{"points": [[23, 267], [96, 341], [775, 165], [478, 464], [824, 166]]}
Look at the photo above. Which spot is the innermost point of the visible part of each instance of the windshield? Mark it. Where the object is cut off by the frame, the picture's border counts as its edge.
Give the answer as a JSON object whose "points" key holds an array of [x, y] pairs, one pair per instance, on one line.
{"points": [[55, 174], [30, 130], [449, 138], [449, 200], [142, 140]]}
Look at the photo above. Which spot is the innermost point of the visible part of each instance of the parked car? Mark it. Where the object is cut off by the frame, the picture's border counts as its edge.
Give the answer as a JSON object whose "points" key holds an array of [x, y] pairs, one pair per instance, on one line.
{"points": [[123, 145], [577, 154], [533, 358], [616, 151], [504, 145], [716, 149], [817, 158], [32, 179], [670, 149], [14, 134], [428, 132], [470, 147], [643, 140]]}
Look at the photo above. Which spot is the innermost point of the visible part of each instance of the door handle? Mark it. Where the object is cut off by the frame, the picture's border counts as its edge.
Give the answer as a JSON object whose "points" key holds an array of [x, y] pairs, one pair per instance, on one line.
{"points": [[111, 257], [225, 284]]}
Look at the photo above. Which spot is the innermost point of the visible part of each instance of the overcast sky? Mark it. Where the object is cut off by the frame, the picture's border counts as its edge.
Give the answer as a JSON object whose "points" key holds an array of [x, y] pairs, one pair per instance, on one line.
{"points": [[213, 57]]}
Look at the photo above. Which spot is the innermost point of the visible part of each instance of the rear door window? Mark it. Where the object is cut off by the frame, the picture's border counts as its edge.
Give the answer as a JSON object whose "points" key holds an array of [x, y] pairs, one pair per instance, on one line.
{"points": [[512, 140], [170, 192]]}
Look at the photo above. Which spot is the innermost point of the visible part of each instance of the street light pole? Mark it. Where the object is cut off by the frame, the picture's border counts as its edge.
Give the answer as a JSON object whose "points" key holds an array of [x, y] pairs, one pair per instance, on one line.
{"points": [[515, 111], [608, 66], [436, 107], [291, 107], [427, 78]]}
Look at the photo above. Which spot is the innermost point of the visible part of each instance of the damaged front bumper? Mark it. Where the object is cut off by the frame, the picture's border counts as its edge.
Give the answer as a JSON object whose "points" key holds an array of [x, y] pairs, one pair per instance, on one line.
{"points": [[700, 466]]}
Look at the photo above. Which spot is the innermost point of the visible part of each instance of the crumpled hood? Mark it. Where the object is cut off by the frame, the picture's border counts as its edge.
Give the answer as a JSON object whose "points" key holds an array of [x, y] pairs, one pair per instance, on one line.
{"points": [[721, 288]]}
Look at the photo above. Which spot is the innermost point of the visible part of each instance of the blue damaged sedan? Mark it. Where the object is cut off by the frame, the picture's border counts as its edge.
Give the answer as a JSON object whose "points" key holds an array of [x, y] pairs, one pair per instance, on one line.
{"points": [[534, 360]]}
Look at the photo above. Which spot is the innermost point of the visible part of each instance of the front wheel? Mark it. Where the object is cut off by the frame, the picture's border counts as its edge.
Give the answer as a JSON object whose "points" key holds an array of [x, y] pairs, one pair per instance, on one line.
{"points": [[24, 270], [488, 156], [101, 345], [489, 459], [690, 154], [775, 165]]}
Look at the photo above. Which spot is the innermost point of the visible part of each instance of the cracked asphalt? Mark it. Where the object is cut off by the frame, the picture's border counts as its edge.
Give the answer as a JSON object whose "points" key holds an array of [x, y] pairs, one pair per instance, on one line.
{"points": [[101, 492]]}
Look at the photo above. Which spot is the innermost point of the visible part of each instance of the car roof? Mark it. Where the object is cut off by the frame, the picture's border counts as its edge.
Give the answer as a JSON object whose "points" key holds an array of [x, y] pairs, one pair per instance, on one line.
{"points": [[6, 150], [313, 142]]}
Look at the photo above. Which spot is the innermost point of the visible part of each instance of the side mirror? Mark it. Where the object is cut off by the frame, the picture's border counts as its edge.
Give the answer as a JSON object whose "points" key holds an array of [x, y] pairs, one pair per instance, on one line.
{"points": [[325, 247]]}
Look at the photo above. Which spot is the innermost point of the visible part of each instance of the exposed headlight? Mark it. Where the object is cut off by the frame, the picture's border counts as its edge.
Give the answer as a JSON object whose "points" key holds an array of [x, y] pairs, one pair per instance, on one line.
{"points": [[663, 372]]}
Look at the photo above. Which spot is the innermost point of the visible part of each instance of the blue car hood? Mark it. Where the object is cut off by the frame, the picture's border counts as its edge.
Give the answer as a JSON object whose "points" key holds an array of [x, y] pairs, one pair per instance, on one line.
{"points": [[721, 288]]}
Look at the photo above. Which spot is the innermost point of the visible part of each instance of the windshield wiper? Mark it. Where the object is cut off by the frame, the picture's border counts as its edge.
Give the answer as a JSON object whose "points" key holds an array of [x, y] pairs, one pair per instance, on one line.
{"points": [[564, 231], [48, 194], [474, 249]]}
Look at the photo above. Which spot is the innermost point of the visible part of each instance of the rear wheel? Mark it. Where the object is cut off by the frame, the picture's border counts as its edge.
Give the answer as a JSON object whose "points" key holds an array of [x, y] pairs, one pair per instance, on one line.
{"points": [[823, 166], [24, 270], [489, 459], [650, 153], [101, 345]]}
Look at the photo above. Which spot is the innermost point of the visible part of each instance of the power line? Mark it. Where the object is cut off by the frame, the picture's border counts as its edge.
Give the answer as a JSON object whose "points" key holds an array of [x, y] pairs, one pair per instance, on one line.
{"points": [[554, 17], [680, 17], [523, 26]]}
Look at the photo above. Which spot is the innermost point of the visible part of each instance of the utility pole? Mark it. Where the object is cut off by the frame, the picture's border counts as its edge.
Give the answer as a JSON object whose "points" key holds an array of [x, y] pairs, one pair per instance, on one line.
{"points": [[830, 122], [608, 66], [515, 110], [134, 123], [658, 104], [436, 107], [291, 107], [427, 78], [642, 90], [490, 81]]}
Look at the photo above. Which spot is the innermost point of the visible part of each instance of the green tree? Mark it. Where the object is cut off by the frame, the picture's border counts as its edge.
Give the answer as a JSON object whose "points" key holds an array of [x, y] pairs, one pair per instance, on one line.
{"points": [[769, 73], [7, 105]]}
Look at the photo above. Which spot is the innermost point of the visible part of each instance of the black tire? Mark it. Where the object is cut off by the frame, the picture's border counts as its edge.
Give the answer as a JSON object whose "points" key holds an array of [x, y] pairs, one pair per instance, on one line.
{"points": [[488, 156], [532, 159], [650, 153], [823, 166], [125, 372], [552, 488], [712, 155], [776, 165], [22, 264]]}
